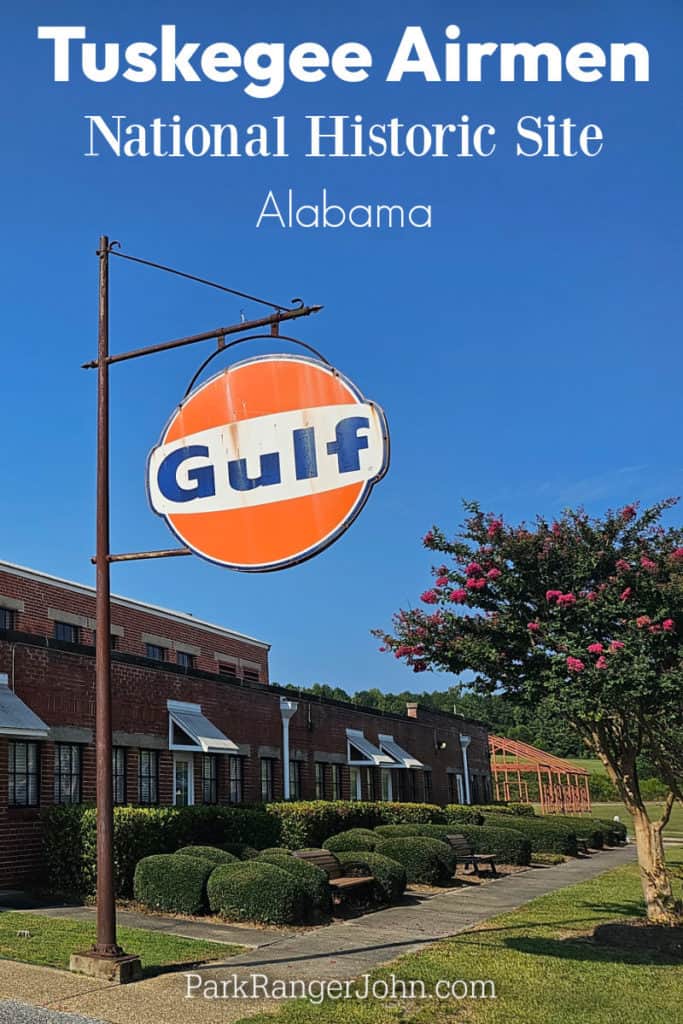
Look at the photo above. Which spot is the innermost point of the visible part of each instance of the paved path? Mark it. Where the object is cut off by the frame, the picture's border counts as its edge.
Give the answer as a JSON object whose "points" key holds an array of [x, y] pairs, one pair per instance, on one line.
{"points": [[340, 951]]}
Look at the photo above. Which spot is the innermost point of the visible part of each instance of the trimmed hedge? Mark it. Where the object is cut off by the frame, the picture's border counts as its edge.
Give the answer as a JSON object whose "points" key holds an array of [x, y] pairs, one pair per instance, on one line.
{"points": [[69, 839], [401, 831], [508, 845], [615, 831], [589, 829], [240, 850], [525, 810], [390, 876], [207, 853], [173, 883], [256, 891], [456, 813], [545, 835], [309, 823], [354, 839], [426, 860], [312, 879]]}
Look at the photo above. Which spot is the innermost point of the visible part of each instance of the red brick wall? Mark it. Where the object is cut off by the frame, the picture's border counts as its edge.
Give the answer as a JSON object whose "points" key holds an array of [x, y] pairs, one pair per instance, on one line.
{"points": [[39, 593]]}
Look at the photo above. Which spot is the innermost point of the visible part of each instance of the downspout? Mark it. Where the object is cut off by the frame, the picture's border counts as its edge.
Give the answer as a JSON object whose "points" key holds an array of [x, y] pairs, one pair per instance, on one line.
{"points": [[288, 708], [464, 744]]}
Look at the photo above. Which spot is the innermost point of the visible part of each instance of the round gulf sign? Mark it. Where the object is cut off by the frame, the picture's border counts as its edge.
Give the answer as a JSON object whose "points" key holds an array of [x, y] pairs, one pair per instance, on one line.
{"points": [[268, 462]]}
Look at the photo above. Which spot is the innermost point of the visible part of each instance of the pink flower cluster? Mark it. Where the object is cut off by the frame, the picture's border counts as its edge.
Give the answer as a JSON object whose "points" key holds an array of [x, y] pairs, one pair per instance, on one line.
{"points": [[647, 563], [575, 664], [474, 569], [405, 649], [623, 565], [625, 594], [429, 597], [565, 599], [476, 583], [678, 555], [458, 596], [596, 648], [533, 627], [628, 512], [441, 581], [494, 573], [495, 526]]}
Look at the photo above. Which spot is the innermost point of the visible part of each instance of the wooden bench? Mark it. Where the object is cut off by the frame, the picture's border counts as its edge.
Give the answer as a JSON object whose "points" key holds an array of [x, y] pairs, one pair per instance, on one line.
{"points": [[340, 883], [466, 854]]}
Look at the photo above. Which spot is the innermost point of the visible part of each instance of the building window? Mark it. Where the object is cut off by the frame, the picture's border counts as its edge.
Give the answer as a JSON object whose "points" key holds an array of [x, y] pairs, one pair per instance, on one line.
{"points": [[155, 652], [320, 787], [295, 780], [185, 659], [23, 774], [118, 765], [370, 783], [336, 781], [66, 633], [267, 790], [355, 782], [209, 779], [148, 777], [428, 786], [236, 780], [227, 668], [387, 784], [67, 773], [251, 675], [453, 795], [6, 618]]}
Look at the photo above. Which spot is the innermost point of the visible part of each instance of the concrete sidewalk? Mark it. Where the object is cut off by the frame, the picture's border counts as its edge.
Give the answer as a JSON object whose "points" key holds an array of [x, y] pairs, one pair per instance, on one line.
{"points": [[340, 951]]}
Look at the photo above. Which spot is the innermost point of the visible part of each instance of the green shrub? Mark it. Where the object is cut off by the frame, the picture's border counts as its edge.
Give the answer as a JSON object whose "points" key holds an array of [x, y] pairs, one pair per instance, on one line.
{"points": [[508, 845], [307, 824], [354, 839], [256, 891], [312, 879], [456, 813], [277, 849], [527, 810], [389, 876], [547, 858], [544, 834], [207, 853], [410, 814], [401, 831], [241, 850], [173, 883], [592, 831], [615, 831], [70, 848], [426, 860]]}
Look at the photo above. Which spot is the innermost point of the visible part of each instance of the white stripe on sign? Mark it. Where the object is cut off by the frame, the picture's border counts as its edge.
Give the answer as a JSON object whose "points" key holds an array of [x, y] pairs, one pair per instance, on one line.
{"points": [[268, 458]]}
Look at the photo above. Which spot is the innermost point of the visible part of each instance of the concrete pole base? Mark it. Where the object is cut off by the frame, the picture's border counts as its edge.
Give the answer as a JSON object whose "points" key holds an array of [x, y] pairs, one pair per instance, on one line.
{"points": [[117, 969]]}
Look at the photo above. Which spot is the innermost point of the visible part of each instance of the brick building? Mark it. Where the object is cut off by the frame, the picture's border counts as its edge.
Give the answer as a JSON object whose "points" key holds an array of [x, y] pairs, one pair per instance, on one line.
{"points": [[194, 720]]}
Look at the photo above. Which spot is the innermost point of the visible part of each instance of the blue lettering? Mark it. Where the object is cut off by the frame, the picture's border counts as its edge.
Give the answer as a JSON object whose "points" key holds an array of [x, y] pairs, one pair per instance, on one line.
{"points": [[269, 466], [203, 477], [348, 443], [305, 458]]}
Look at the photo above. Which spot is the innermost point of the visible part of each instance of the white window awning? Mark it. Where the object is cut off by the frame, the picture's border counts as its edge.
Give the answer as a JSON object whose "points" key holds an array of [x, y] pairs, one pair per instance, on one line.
{"points": [[16, 718], [189, 729], [405, 759], [362, 752]]}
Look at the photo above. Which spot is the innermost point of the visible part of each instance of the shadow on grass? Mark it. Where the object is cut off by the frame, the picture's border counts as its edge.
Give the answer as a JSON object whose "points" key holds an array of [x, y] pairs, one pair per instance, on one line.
{"points": [[588, 951]]}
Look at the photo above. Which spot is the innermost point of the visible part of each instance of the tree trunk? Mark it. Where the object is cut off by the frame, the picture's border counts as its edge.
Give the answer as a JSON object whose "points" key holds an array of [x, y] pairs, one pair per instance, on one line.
{"points": [[662, 907]]}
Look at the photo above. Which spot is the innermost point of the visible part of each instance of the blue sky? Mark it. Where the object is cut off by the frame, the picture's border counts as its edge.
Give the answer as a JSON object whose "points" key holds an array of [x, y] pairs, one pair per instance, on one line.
{"points": [[526, 348]]}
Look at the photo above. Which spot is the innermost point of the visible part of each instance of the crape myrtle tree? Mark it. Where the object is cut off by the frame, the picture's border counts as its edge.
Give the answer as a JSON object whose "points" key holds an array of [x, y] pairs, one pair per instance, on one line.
{"points": [[584, 615]]}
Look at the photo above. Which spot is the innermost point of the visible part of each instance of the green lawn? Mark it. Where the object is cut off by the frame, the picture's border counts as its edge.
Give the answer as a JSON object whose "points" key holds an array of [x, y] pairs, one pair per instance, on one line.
{"points": [[544, 968], [674, 830], [53, 939], [590, 764]]}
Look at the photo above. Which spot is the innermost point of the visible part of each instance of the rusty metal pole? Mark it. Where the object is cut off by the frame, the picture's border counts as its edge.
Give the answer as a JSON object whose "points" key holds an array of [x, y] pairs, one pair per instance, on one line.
{"points": [[106, 914]]}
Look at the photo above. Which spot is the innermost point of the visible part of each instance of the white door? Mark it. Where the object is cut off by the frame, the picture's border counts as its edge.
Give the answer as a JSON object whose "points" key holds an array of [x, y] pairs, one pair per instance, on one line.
{"points": [[183, 779]]}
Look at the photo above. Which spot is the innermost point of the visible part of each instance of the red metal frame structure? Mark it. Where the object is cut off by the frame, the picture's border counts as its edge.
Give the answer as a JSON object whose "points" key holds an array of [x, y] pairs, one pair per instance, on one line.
{"points": [[562, 786]]}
